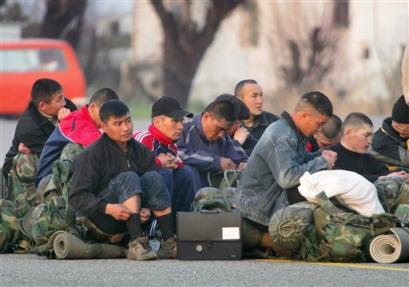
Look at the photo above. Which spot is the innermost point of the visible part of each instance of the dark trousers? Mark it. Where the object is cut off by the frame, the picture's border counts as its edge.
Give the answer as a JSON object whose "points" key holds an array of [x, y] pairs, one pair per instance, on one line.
{"points": [[182, 186], [150, 186], [294, 196], [199, 178]]}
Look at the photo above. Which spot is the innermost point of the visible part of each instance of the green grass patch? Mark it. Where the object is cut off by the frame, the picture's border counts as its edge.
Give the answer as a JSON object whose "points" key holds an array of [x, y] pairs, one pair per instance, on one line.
{"points": [[140, 109]]}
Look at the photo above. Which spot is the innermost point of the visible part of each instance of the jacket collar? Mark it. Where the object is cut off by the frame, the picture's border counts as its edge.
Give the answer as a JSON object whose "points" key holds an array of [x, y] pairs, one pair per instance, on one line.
{"points": [[162, 138], [114, 145], [37, 117], [390, 131], [197, 122], [261, 120], [286, 116]]}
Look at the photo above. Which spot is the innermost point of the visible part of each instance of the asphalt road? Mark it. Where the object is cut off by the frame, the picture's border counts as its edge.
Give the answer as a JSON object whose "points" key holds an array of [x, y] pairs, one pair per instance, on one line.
{"points": [[32, 270]]}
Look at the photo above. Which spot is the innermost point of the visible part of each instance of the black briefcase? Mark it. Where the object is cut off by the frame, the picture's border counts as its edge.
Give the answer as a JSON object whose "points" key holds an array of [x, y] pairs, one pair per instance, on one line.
{"points": [[209, 236]]}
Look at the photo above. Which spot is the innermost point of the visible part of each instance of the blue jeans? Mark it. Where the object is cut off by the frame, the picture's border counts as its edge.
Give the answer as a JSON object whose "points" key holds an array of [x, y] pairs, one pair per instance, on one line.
{"points": [[150, 186], [182, 186]]}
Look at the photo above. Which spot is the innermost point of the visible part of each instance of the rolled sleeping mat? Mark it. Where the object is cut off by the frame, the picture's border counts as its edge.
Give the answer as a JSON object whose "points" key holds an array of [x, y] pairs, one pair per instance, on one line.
{"points": [[391, 248], [288, 226], [68, 246]]}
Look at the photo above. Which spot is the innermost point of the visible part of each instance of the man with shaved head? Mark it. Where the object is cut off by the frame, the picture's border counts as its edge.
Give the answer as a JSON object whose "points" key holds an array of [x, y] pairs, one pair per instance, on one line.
{"points": [[352, 151], [328, 135], [250, 92]]}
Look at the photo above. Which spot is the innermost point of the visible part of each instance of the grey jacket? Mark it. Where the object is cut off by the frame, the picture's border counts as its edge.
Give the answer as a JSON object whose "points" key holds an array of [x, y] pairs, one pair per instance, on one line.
{"points": [[276, 164]]}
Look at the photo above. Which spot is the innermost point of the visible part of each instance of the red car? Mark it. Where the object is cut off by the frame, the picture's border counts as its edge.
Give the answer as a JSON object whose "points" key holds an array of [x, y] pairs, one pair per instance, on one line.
{"points": [[22, 62]]}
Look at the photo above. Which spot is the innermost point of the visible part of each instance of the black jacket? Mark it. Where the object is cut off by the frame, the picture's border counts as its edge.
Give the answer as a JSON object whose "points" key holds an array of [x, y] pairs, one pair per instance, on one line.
{"points": [[389, 147], [261, 122], [97, 165], [33, 130], [364, 164]]}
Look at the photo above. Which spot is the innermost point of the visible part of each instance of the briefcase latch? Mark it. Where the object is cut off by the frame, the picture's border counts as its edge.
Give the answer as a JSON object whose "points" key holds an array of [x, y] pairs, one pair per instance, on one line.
{"points": [[199, 248]]}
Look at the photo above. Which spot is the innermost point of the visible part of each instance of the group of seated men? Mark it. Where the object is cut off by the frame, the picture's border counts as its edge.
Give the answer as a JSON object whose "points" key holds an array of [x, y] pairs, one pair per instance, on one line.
{"points": [[123, 177]]}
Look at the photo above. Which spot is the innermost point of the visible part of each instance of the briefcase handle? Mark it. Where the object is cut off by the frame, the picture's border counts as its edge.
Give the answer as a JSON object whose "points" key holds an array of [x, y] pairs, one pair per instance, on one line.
{"points": [[209, 211]]}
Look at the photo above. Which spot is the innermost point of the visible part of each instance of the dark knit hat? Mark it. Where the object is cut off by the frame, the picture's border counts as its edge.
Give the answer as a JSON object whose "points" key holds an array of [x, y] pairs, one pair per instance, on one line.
{"points": [[400, 111]]}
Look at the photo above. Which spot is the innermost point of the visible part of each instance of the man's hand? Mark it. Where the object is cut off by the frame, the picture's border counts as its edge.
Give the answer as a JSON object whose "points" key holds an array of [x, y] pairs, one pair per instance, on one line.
{"points": [[241, 135], [117, 211], [23, 149], [330, 157], [403, 174], [242, 166], [144, 214], [402, 129], [227, 164], [62, 113], [168, 160]]}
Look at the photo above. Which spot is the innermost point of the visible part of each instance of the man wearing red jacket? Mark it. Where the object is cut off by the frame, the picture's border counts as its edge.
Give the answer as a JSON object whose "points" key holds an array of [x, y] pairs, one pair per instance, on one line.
{"points": [[164, 131], [80, 127]]}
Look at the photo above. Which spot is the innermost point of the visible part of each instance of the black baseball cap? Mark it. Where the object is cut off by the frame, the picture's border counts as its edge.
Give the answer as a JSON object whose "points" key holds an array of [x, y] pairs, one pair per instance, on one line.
{"points": [[243, 113], [170, 107]]}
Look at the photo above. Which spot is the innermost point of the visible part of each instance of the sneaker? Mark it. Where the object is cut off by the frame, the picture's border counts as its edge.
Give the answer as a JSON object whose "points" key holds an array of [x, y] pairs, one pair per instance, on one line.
{"points": [[139, 250], [168, 249]]}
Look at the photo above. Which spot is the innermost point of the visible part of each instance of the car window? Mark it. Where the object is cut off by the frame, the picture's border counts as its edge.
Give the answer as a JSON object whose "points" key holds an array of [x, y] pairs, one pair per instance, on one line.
{"points": [[26, 60]]}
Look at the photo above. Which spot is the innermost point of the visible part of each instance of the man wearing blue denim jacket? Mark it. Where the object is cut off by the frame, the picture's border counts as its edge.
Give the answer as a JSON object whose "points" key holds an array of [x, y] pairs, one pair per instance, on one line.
{"points": [[205, 144], [279, 159]]}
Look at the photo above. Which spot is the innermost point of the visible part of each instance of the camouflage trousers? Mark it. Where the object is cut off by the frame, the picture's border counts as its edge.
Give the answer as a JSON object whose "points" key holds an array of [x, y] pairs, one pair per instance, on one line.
{"points": [[21, 189]]}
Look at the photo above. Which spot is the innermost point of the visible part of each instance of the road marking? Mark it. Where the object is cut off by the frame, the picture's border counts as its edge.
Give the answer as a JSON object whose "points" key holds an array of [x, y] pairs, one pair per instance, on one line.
{"points": [[343, 265]]}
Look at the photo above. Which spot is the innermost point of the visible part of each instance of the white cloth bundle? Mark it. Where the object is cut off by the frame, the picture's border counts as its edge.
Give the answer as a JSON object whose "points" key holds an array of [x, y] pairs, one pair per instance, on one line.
{"points": [[350, 188]]}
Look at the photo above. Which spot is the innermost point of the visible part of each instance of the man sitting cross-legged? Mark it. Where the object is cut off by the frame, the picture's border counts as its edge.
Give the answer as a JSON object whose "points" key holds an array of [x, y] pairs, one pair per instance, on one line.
{"points": [[114, 177]]}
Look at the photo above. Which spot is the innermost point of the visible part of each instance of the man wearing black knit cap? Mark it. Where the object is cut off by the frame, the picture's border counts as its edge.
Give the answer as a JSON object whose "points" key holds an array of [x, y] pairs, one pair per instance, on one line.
{"points": [[390, 142]]}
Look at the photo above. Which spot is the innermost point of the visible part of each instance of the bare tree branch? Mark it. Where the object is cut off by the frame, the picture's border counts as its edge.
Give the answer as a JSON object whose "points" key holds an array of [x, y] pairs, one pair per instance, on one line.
{"points": [[167, 20], [184, 46]]}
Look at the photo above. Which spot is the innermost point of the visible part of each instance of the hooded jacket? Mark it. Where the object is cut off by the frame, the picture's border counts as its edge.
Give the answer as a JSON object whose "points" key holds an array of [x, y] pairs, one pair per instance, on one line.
{"points": [[78, 127]]}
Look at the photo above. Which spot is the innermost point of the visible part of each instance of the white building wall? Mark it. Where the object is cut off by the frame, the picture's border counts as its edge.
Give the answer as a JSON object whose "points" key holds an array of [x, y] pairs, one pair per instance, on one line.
{"points": [[381, 26]]}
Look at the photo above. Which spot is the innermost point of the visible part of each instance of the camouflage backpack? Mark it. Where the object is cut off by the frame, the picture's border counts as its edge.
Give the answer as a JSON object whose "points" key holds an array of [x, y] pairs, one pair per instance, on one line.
{"points": [[59, 181], [44, 220], [224, 179], [9, 229], [3, 187], [21, 187], [389, 190], [344, 235], [210, 198], [54, 213]]}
